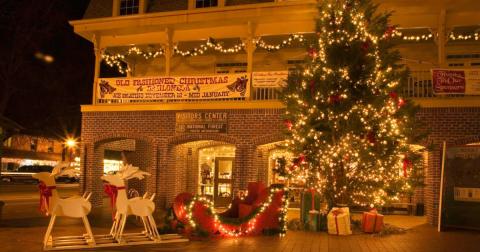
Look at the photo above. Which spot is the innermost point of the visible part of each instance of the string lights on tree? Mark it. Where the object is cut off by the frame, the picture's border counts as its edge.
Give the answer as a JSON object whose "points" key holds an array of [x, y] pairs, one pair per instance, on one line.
{"points": [[346, 120]]}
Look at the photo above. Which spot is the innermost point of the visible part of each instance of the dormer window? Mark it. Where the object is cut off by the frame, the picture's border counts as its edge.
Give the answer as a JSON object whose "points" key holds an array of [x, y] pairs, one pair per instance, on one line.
{"points": [[206, 3], [129, 7]]}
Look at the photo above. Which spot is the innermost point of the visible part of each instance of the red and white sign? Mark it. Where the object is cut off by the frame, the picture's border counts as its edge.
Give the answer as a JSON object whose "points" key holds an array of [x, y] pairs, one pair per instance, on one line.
{"points": [[270, 79], [458, 81], [178, 88]]}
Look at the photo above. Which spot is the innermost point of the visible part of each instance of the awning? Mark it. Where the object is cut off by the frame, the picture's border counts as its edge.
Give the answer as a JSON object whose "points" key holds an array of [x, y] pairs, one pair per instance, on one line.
{"points": [[22, 154]]}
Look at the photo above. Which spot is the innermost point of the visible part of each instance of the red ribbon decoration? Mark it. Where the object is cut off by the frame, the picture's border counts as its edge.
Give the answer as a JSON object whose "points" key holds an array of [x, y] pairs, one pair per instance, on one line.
{"points": [[401, 103], [393, 95], [334, 98], [301, 159], [311, 52], [406, 162], [336, 212], [312, 84], [45, 194], [312, 191], [371, 139], [389, 32], [289, 124], [112, 192]]}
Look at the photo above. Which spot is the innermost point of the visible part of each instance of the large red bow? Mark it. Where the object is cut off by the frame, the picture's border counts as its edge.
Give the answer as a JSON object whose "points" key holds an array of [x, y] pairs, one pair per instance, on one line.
{"points": [[406, 162], [301, 159], [333, 98], [337, 211], [112, 192], [45, 194]]}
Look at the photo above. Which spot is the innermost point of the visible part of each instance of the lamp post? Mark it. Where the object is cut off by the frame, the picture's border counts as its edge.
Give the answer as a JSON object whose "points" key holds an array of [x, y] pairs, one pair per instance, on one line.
{"points": [[71, 145]]}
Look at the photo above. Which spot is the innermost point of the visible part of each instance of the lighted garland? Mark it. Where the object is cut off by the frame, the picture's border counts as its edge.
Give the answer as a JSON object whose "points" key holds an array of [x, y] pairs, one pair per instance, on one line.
{"points": [[250, 218], [471, 36], [413, 38], [115, 60], [210, 43], [274, 48]]}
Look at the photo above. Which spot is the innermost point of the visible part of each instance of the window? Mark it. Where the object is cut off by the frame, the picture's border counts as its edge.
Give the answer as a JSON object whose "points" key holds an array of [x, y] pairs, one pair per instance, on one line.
{"points": [[206, 3], [293, 62], [8, 142], [33, 144], [476, 64], [240, 71], [232, 64], [223, 72], [455, 64], [50, 146], [129, 7]]}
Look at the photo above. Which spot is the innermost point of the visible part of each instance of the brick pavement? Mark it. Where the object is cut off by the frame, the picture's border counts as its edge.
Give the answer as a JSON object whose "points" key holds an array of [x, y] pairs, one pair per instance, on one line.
{"points": [[25, 234]]}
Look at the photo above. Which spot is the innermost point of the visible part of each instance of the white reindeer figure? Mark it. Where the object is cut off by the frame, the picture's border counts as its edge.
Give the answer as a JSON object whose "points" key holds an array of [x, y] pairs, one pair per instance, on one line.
{"points": [[76, 206], [138, 206]]}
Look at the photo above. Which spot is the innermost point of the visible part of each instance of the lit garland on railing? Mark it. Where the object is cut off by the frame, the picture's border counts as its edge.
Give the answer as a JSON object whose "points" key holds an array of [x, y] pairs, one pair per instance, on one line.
{"points": [[112, 60], [274, 48], [210, 43], [251, 218], [471, 36], [399, 34]]}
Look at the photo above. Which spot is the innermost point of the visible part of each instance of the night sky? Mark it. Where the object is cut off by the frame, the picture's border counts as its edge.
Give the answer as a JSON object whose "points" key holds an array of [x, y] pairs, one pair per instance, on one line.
{"points": [[46, 70]]}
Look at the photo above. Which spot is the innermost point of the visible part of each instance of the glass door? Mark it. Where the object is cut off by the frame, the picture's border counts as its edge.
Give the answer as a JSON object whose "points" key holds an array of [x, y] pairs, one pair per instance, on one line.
{"points": [[223, 188]]}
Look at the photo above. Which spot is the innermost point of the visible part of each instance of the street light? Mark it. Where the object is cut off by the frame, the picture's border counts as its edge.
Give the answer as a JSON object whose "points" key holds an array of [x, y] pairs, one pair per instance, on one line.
{"points": [[71, 143]]}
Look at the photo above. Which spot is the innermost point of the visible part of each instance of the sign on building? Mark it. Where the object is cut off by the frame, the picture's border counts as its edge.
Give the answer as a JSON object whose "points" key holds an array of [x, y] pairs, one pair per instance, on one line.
{"points": [[201, 122], [461, 187], [456, 81], [272, 79], [175, 88]]}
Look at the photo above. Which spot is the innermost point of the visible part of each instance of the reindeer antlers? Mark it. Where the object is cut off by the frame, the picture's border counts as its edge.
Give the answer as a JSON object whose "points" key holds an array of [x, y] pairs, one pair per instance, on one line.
{"points": [[128, 171], [70, 171]]}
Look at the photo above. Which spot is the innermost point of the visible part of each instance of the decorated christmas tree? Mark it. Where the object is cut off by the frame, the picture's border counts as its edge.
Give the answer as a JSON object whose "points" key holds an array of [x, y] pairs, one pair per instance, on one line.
{"points": [[347, 125]]}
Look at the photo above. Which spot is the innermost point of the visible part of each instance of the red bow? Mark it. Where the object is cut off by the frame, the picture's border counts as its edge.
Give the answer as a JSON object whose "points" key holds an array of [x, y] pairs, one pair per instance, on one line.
{"points": [[301, 159], [333, 98], [45, 194], [406, 162], [393, 95], [401, 103], [289, 124], [337, 211], [112, 192], [365, 45], [311, 52], [312, 84], [371, 139], [389, 32]]}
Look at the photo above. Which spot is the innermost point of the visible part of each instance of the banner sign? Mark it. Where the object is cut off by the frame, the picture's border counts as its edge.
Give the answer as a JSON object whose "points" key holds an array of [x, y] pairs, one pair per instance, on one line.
{"points": [[201, 122], [461, 187], [457, 81], [178, 88], [270, 79]]}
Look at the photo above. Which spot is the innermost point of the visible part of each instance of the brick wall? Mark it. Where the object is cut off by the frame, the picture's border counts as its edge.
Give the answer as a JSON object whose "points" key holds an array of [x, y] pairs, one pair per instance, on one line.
{"points": [[99, 9], [166, 5], [456, 126], [121, 145], [242, 2]]}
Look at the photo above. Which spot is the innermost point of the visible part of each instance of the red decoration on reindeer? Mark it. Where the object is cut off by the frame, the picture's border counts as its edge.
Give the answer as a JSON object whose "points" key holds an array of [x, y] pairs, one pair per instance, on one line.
{"points": [[300, 160], [112, 192], [45, 194]]}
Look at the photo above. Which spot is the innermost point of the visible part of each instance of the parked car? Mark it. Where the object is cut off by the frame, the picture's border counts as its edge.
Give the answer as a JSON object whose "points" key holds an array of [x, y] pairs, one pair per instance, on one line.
{"points": [[24, 174]]}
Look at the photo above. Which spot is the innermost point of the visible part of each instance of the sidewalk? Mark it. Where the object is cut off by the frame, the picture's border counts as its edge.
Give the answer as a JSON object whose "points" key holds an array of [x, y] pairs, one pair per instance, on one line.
{"points": [[22, 229]]}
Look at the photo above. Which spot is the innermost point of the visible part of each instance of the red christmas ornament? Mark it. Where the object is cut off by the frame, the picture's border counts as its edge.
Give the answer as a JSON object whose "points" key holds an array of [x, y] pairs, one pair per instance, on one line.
{"points": [[289, 124], [401, 103], [389, 32], [334, 98], [311, 52], [371, 139], [361, 137], [312, 84], [393, 95]]}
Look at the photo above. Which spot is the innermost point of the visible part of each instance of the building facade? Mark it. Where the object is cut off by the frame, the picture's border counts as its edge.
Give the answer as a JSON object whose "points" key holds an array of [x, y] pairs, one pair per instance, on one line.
{"points": [[218, 141]]}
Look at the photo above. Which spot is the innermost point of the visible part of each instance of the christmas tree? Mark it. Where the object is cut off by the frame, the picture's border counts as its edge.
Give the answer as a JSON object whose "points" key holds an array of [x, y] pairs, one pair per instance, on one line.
{"points": [[347, 125]]}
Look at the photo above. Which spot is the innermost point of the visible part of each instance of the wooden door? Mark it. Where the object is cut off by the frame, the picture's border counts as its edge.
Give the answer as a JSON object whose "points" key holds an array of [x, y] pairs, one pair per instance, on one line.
{"points": [[223, 188]]}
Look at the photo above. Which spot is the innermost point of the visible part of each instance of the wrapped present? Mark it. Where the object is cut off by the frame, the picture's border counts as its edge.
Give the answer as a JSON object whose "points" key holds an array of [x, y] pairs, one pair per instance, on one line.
{"points": [[371, 207], [339, 221], [309, 201], [372, 222], [314, 220]]}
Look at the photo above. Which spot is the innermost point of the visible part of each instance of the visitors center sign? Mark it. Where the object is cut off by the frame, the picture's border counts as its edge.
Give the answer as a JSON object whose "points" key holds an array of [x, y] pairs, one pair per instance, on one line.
{"points": [[456, 81], [201, 122], [177, 88]]}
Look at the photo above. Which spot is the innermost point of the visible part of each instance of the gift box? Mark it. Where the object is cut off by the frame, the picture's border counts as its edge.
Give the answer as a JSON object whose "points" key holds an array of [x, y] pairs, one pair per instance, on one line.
{"points": [[307, 204], [314, 220], [372, 222], [369, 208], [339, 221]]}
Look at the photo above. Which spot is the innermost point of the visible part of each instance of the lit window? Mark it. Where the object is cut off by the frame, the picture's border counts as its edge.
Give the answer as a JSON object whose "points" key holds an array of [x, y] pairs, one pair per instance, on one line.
{"points": [[206, 3], [129, 7]]}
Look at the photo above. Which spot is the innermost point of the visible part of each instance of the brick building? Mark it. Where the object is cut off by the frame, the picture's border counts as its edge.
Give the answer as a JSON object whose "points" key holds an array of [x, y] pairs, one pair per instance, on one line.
{"points": [[152, 132]]}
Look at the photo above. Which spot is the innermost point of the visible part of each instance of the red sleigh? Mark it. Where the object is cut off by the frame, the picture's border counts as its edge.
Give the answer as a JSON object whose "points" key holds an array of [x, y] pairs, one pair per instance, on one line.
{"points": [[262, 212]]}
